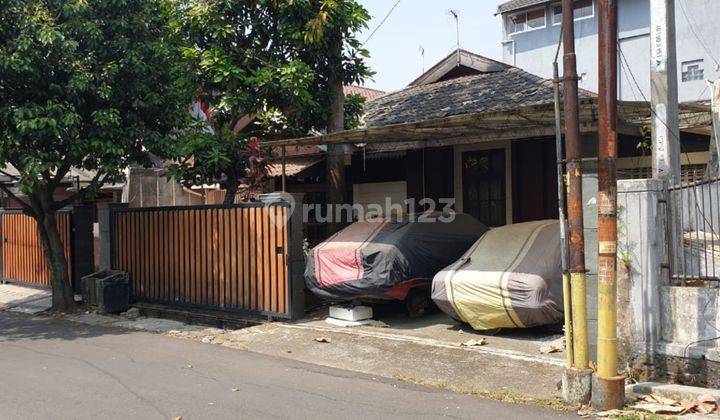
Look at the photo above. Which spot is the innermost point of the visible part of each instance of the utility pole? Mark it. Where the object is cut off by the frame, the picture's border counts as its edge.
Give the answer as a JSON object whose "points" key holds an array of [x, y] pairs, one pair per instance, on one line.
{"points": [[663, 90], [608, 387], [567, 306], [576, 381]]}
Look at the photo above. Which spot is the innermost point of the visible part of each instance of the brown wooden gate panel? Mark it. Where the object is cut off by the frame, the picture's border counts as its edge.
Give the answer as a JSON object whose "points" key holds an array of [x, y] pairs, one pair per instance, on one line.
{"points": [[22, 254], [231, 258]]}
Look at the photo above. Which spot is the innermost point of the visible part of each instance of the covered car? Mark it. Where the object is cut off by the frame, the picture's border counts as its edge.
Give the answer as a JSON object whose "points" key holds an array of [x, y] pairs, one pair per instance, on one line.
{"points": [[386, 257], [510, 278]]}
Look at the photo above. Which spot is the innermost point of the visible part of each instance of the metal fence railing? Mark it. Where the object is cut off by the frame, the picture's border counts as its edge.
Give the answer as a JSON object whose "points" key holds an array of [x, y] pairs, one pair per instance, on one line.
{"points": [[22, 255], [693, 230]]}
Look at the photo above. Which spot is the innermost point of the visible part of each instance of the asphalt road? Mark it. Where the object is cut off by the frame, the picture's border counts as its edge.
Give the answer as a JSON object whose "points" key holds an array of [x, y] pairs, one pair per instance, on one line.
{"points": [[58, 369]]}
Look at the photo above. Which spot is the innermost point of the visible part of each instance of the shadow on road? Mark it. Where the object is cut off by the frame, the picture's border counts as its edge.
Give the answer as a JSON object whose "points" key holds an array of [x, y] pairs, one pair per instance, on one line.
{"points": [[16, 327]]}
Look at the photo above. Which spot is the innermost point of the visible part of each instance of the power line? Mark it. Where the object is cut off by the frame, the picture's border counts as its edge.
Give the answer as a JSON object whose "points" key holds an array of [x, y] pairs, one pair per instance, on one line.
{"points": [[625, 63], [381, 22]]}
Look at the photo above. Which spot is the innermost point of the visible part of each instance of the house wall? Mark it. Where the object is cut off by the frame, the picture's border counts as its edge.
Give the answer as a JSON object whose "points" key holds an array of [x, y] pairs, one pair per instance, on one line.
{"points": [[668, 330], [534, 50], [150, 188]]}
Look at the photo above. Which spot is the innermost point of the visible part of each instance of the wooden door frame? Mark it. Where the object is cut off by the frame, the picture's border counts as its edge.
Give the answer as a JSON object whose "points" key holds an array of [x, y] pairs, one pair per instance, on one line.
{"points": [[458, 150]]}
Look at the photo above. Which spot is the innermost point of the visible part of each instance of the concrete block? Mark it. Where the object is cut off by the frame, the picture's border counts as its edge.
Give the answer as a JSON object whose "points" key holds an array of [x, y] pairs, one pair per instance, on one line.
{"points": [[351, 313], [672, 391], [343, 323], [577, 386]]}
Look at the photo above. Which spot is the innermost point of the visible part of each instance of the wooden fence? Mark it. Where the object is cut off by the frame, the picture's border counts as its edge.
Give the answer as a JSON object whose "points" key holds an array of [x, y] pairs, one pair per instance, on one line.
{"points": [[229, 258], [23, 259]]}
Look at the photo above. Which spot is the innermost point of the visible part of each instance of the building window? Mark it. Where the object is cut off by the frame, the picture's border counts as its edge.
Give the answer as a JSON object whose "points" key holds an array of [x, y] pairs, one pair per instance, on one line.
{"points": [[692, 70], [583, 9], [526, 21]]}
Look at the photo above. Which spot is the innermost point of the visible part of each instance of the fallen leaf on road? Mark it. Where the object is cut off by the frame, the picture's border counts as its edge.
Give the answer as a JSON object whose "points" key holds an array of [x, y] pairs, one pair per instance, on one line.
{"points": [[706, 404], [584, 411], [551, 348], [472, 343], [657, 399], [323, 339], [659, 408]]}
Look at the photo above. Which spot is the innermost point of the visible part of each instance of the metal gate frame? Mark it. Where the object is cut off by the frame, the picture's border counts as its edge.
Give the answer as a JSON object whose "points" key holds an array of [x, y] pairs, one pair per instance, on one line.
{"points": [[293, 256]]}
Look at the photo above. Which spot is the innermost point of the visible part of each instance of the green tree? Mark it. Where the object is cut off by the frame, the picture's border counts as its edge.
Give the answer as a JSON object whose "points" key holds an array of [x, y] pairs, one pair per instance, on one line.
{"points": [[262, 71], [90, 84]]}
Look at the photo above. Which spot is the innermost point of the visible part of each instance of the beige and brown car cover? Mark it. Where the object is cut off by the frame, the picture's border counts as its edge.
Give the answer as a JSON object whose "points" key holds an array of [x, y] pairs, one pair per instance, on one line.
{"points": [[510, 278]]}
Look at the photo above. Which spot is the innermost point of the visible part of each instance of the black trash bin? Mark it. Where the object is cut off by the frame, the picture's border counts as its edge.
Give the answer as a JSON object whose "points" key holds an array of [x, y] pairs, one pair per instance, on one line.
{"points": [[108, 290]]}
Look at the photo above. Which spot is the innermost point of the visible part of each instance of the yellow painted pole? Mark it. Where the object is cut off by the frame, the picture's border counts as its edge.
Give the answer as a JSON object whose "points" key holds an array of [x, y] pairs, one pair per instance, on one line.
{"points": [[579, 321], [607, 321], [569, 352]]}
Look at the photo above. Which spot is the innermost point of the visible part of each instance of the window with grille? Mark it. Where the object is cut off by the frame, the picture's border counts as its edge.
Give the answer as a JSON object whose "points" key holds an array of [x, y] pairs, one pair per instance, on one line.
{"points": [[692, 70]]}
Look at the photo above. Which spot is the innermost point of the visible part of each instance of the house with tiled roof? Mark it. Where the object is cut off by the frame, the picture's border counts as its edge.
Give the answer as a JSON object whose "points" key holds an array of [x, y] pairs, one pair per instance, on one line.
{"points": [[482, 133]]}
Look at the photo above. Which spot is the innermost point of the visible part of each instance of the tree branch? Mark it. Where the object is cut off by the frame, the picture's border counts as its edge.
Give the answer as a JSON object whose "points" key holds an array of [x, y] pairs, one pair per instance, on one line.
{"points": [[96, 181], [26, 207]]}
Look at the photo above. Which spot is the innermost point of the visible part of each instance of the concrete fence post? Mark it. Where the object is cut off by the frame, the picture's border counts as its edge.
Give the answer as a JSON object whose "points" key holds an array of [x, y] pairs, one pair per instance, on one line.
{"points": [[642, 271], [105, 231]]}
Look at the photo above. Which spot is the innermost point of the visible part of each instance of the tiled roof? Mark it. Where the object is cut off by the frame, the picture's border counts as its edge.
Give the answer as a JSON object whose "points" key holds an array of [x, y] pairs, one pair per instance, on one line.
{"points": [[504, 90], [368, 93], [511, 5]]}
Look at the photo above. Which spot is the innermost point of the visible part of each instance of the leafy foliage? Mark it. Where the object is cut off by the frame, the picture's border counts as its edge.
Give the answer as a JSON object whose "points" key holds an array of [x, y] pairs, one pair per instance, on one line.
{"points": [[85, 84], [88, 84], [262, 70]]}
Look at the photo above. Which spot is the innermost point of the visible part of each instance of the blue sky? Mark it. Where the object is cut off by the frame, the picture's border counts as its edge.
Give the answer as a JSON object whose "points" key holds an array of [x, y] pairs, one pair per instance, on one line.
{"points": [[395, 46]]}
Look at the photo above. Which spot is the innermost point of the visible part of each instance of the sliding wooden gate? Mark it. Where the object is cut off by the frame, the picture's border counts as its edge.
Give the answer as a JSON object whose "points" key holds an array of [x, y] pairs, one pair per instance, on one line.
{"points": [[229, 258], [23, 259]]}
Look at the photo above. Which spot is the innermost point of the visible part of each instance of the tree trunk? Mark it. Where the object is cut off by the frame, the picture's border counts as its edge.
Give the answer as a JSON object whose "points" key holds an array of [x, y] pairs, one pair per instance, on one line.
{"points": [[231, 188], [335, 156], [62, 293]]}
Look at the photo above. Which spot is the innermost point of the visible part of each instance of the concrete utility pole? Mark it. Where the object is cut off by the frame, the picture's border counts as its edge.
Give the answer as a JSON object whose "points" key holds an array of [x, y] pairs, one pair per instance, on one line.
{"points": [[576, 381], [608, 387], [663, 90]]}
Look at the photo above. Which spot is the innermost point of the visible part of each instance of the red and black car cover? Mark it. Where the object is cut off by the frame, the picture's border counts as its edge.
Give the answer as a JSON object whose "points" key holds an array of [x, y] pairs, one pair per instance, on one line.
{"points": [[384, 257]]}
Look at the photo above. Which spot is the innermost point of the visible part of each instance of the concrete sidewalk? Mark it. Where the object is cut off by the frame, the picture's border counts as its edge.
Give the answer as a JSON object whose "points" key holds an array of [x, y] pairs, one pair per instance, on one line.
{"points": [[30, 300]]}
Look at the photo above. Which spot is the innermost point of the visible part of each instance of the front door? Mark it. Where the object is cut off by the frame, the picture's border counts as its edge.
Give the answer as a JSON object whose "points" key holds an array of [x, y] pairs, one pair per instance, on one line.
{"points": [[483, 183]]}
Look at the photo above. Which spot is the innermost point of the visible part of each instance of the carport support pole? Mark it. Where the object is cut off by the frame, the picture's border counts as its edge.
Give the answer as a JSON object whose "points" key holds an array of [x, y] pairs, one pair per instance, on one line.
{"points": [[567, 306], [608, 386], [576, 381], [283, 168]]}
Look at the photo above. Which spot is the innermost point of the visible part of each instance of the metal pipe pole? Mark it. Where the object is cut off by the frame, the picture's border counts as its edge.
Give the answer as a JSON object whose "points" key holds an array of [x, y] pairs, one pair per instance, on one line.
{"points": [[573, 156], [567, 306], [608, 386], [607, 190], [283, 169]]}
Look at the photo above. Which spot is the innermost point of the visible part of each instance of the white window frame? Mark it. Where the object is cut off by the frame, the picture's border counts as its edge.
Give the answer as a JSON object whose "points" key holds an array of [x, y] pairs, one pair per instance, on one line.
{"points": [[552, 14], [527, 29], [684, 67]]}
